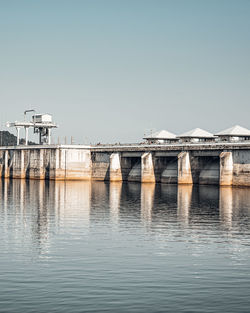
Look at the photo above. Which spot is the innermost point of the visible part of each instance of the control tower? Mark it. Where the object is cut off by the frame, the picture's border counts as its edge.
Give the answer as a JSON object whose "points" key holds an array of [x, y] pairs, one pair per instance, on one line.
{"points": [[42, 125]]}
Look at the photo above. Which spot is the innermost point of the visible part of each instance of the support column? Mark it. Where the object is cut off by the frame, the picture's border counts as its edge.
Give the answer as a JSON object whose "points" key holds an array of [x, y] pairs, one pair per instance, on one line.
{"points": [[6, 166], [54, 164], [184, 168], [26, 135], [49, 136], [23, 174], [41, 164], [115, 171], [226, 169], [17, 168], [18, 136], [40, 138], [147, 168], [18, 164]]}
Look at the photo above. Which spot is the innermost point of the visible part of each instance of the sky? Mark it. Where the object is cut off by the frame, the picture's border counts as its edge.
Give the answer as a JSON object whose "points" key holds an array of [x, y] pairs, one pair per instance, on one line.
{"points": [[112, 71]]}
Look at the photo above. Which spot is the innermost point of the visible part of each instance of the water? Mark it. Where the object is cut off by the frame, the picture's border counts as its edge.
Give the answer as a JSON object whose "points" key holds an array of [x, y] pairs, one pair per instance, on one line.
{"points": [[98, 247]]}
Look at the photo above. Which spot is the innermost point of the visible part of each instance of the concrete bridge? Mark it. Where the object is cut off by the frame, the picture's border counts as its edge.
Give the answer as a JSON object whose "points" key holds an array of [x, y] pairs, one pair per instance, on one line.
{"points": [[224, 164]]}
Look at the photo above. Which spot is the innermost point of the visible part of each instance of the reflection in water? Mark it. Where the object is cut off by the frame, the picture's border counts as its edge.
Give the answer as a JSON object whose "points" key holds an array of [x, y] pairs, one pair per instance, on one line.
{"points": [[72, 201], [184, 202], [38, 208], [147, 202], [121, 247], [226, 206], [37, 205], [115, 190]]}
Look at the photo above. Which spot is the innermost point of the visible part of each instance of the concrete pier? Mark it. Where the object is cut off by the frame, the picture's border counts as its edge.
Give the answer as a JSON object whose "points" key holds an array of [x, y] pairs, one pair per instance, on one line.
{"points": [[147, 168], [41, 162], [184, 168], [225, 164], [226, 168], [5, 167], [115, 172]]}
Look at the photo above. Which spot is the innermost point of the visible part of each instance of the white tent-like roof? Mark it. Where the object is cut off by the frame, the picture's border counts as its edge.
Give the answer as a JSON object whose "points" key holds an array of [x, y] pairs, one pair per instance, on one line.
{"points": [[196, 133], [163, 134], [235, 131]]}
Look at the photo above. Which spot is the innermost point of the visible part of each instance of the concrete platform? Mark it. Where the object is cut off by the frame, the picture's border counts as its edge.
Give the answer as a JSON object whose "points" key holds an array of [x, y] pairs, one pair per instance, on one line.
{"points": [[225, 164]]}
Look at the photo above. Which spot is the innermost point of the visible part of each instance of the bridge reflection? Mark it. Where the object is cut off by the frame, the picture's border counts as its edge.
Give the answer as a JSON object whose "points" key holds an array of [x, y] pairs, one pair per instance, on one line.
{"points": [[115, 190], [147, 202], [37, 209], [184, 199]]}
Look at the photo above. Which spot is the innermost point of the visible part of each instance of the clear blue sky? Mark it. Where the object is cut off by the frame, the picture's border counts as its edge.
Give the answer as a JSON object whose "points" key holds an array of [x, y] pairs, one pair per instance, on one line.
{"points": [[110, 70]]}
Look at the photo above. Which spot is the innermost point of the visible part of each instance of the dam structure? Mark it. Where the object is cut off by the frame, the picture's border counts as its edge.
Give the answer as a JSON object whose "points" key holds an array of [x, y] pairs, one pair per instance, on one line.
{"points": [[195, 157], [225, 164]]}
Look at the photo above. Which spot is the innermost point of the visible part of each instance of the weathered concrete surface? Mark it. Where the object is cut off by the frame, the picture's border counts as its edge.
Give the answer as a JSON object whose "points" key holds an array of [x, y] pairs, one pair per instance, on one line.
{"points": [[4, 163], [199, 148], [73, 164], [210, 171], [42, 163], [184, 168], [147, 168], [165, 168], [100, 165], [170, 173], [226, 168], [183, 164], [241, 168], [17, 167], [127, 163], [34, 165], [115, 172], [135, 173]]}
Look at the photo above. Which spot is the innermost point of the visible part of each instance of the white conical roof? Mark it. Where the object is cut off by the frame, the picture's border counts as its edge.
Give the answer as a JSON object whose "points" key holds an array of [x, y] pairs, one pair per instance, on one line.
{"points": [[197, 133], [163, 134], [234, 131]]}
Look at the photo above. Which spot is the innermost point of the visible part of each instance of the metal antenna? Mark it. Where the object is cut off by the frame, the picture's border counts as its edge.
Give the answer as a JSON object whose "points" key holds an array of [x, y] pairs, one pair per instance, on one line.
{"points": [[27, 111]]}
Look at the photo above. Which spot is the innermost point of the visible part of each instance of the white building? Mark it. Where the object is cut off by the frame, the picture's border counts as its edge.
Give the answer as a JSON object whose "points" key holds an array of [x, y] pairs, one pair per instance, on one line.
{"points": [[235, 133], [162, 136], [42, 118], [196, 135]]}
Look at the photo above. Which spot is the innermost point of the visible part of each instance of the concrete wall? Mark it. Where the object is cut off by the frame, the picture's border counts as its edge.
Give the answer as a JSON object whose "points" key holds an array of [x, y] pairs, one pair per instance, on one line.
{"points": [[209, 170], [127, 164], [53, 163], [228, 167], [169, 174], [166, 169], [72, 164], [241, 168], [135, 173], [100, 165]]}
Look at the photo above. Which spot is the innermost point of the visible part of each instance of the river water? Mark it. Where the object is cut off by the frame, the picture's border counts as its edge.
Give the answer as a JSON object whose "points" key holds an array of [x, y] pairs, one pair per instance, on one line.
{"points": [[100, 247]]}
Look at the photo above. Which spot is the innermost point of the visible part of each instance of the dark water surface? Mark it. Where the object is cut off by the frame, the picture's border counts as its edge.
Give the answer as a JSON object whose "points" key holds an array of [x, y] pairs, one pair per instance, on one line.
{"points": [[97, 247]]}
